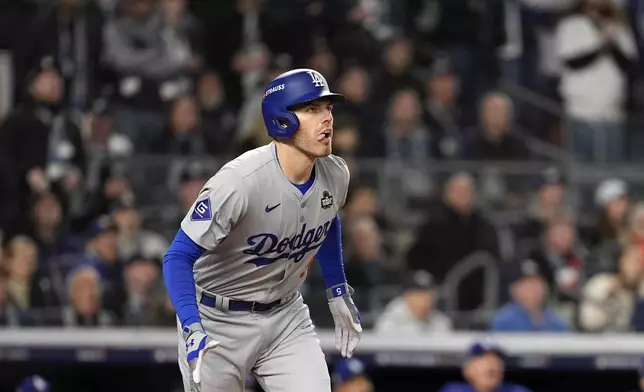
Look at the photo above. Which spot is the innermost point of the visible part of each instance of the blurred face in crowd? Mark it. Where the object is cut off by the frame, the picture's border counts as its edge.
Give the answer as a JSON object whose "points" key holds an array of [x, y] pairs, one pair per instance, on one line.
{"points": [[560, 236], [314, 136], [459, 194], [364, 201], [106, 246], [184, 115], [48, 212], [323, 61], [616, 209], [85, 292], [188, 192], [495, 115], [209, 91], [551, 195], [443, 89], [485, 373], [630, 267], [398, 56], [127, 220], [141, 276], [346, 140], [420, 302], [405, 109], [101, 128], [139, 8], [530, 292], [115, 187], [353, 84], [47, 86], [637, 221], [22, 258], [3, 289], [366, 239], [357, 384]]}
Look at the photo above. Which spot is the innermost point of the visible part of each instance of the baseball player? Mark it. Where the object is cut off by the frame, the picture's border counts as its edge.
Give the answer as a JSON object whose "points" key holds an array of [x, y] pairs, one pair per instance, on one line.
{"points": [[234, 268]]}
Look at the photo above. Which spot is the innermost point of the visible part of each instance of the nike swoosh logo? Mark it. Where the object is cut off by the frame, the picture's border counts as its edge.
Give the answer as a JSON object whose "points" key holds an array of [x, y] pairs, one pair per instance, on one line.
{"points": [[269, 209]]}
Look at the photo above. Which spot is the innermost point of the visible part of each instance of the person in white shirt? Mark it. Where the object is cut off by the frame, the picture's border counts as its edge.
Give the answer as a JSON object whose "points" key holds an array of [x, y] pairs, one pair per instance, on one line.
{"points": [[597, 49], [414, 312]]}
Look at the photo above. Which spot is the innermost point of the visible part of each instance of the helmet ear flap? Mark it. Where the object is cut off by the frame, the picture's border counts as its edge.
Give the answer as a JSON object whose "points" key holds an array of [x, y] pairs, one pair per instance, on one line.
{"points": [[285, 124]]}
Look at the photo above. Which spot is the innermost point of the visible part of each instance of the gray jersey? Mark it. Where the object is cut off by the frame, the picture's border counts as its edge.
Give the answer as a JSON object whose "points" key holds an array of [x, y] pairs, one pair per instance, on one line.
{"points": [[260, 233]]}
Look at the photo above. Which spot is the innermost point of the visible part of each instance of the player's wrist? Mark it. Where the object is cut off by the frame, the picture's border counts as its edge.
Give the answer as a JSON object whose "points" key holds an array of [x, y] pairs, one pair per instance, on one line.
{"points": [[338, 290], [191, 329]]}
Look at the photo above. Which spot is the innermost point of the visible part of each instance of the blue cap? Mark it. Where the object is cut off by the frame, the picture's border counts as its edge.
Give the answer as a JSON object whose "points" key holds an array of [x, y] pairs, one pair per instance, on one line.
{"points": [[486, 346], [101, 225], [347, 369], [34, 384]]}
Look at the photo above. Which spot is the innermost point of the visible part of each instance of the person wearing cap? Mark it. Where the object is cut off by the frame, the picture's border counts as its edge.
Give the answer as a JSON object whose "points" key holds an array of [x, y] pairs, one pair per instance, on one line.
{"points": [[349, 375], [34, 384], [484, 371], [528, 311], [612, 201], [414, 312]]}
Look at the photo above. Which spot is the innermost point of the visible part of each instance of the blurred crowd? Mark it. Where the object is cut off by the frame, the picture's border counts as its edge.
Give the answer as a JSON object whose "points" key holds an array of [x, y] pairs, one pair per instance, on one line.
{"points": [[122, 109]]}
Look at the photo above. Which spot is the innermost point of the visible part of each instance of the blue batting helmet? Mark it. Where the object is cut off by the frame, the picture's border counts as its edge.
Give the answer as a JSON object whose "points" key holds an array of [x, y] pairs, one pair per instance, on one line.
{"points": [[290, 89]]}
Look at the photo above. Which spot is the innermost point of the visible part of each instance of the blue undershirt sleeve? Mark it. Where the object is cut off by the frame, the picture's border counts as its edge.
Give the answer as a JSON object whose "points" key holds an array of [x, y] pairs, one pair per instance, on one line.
{"points": [[178, 275], [330, 255]]}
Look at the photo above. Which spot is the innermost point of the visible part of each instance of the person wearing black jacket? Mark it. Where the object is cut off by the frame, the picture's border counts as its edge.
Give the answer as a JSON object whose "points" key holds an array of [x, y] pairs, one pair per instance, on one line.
{"points": [[40, 150]]}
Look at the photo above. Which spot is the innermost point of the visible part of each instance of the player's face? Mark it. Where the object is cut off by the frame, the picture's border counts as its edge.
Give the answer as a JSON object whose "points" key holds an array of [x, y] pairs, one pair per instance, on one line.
{"points": [[315, 135]]}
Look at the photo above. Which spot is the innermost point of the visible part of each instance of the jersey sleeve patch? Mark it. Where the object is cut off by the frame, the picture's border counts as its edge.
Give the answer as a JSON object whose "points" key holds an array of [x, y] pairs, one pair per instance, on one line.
{"points": [[202, 211]]}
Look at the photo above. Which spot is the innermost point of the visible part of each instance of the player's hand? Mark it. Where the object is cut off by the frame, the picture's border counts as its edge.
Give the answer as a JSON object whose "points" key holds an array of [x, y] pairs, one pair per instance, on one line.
{"points": [[197, 345], [347, 323]]}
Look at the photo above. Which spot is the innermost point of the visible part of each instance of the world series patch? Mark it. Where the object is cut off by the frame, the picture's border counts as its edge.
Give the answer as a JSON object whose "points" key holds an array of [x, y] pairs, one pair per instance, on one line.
{"points": [[327, 200]]}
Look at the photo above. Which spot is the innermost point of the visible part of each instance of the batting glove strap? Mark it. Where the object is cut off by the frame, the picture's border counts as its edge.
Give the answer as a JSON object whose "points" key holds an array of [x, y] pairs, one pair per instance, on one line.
{"points": [[338, 291]]}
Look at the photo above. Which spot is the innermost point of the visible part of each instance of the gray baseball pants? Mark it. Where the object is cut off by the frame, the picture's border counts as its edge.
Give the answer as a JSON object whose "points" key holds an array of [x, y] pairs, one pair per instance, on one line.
{"points": [[278, 346]]}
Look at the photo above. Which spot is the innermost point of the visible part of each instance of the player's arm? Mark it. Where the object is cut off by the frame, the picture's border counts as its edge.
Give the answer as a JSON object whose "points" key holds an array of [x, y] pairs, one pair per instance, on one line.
{"points": [[220, 205], [344, 311]]}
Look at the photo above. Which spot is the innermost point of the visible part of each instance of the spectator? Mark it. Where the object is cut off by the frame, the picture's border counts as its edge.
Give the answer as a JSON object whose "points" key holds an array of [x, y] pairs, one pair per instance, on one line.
{"points": [[484, 371], [609, 298], [148, 70], [598, 49], [349, 375], [354, 84], [39, 149], [85, 300], [612, 199], [561, 263], [132, 238], [414, 312], [217, 117], [142, 281], [22, 263], [9, 312], [441, 112], [69, 31], [473, 55], [528, 311], [405, 135], [102, 254], [455, 230], [494, 140], [50, 230], [184, 136], [396, 72], [548, 203]]}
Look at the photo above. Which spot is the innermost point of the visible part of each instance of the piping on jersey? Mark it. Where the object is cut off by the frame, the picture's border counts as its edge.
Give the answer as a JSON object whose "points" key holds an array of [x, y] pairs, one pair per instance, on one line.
{"points": [[264, 245]]}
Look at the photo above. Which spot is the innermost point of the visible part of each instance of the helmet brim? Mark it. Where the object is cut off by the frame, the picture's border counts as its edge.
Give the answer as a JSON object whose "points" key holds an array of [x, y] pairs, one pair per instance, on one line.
{"points": [[333, 97]]}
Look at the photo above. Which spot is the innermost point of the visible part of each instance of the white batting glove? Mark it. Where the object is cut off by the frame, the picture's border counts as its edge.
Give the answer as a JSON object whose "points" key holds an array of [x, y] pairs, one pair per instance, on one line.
{"points": [[197, 345], [346, 317]]}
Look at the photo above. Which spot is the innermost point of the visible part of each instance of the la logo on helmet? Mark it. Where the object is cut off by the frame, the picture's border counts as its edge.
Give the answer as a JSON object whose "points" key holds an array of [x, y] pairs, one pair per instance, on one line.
{"points": [[317, 79]]}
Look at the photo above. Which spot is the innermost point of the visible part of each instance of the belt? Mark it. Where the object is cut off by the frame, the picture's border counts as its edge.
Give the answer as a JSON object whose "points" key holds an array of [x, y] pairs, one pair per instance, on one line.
{"points": [[235, 305]]}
